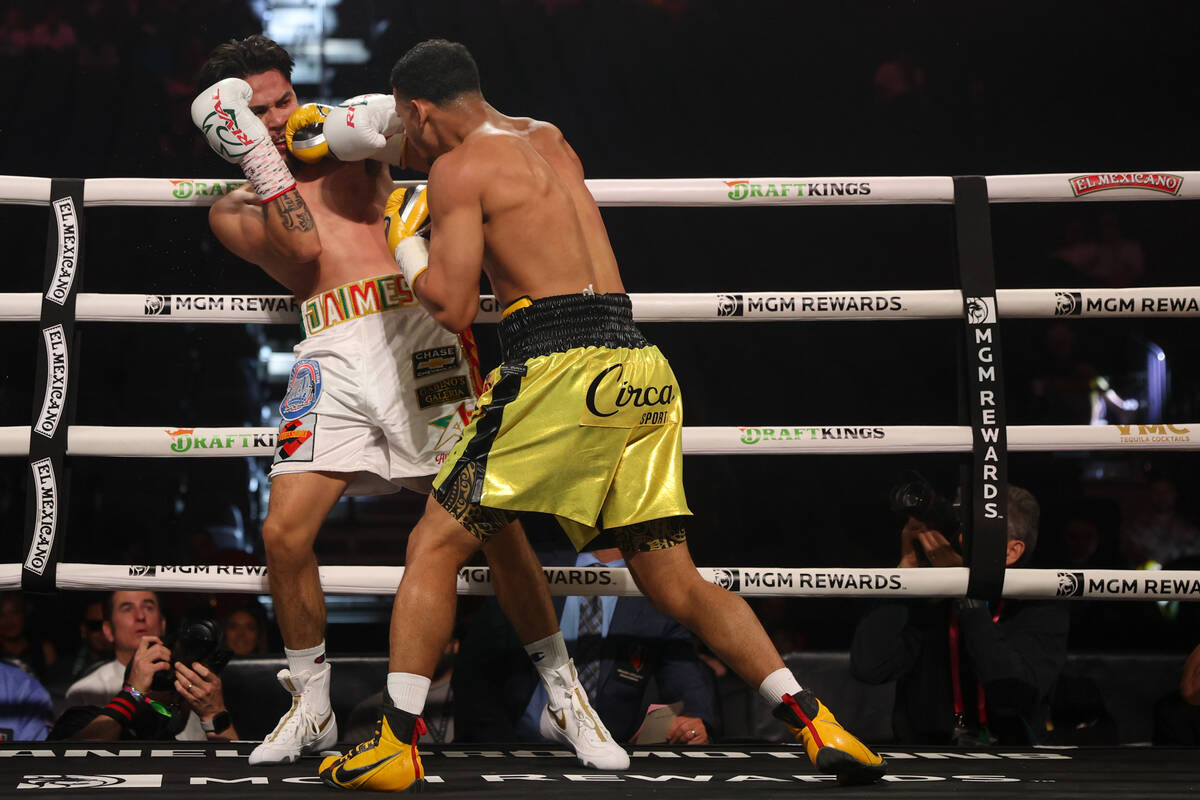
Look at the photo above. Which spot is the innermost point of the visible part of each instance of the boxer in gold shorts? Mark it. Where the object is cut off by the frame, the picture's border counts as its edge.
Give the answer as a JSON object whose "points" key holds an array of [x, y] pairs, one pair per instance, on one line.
{"points": [[582, 420]]}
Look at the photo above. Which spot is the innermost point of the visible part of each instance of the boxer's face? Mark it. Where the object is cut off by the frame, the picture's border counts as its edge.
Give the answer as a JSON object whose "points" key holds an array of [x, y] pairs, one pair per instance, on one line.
{"points": [[273, 101], [420, 138]]}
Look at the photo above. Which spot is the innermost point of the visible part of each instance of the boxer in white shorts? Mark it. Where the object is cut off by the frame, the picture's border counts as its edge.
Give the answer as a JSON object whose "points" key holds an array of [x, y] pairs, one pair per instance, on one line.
{"points": [[379, 393], [378, 389]]}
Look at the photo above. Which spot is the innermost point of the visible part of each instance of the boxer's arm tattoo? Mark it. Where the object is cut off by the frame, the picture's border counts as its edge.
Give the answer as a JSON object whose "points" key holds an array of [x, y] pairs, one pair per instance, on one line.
{"points": [[293, 213]]}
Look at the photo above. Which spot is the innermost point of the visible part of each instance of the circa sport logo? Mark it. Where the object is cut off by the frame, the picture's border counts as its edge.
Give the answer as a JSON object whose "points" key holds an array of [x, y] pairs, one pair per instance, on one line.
{"points": [[637, 396]]}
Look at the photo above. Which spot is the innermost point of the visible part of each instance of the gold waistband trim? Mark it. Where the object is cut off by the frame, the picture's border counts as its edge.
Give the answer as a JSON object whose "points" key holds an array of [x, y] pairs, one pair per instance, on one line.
{"points": [[516, 305]]}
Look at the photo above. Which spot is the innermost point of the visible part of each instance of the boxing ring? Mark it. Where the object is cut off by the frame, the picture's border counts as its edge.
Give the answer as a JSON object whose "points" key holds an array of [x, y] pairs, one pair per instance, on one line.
{"points": [[981, 433], [192, 769]]}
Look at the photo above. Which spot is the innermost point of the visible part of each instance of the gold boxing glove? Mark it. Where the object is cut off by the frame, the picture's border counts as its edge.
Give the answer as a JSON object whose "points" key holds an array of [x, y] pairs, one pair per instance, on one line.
{"points": [[306, 133], [405, 212]]}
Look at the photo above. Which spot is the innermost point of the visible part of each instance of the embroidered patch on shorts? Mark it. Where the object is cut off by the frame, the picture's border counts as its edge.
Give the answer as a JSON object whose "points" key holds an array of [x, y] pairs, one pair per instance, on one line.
{"points": [[433, 361], [451, 428], [450, 390], [297, 439], [304, 389]]}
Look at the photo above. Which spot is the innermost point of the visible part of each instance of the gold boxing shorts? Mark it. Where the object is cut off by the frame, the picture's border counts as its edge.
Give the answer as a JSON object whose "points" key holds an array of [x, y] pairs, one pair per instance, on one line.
{"points": [[583, 420]]}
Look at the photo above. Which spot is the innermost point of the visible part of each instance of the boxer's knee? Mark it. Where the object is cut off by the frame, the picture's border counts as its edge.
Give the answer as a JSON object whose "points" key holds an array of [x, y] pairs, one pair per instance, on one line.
{"points": [[439, 540], [285, 541]]}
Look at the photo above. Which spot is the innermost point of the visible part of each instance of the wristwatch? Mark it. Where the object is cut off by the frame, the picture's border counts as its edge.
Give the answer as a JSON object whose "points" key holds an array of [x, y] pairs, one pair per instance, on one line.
{"points": [[217, 724]]}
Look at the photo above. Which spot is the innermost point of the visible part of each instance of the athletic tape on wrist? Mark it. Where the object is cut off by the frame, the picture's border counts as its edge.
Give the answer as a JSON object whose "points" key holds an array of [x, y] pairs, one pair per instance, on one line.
{"points": [[267, 171], [412, 256]]}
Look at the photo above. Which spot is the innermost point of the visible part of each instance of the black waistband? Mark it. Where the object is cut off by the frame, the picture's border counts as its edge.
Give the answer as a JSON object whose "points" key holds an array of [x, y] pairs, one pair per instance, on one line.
{"points": [[563, 322]]}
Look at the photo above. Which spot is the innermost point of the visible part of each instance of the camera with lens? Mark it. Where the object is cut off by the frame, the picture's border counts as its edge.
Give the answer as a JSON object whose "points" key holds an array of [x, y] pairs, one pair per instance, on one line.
{"points": [[197, 640], [914, 496]]}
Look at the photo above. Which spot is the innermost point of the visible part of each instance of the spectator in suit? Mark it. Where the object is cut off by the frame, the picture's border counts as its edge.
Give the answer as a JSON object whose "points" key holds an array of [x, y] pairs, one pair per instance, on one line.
{"points": [[619, 646]]}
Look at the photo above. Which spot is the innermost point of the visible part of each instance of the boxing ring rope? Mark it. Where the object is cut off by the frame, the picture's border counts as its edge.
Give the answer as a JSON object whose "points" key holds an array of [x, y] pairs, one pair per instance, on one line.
{"points": [[112, 441], [238, 442], [1042, 188], [1091, 584], [732, 306]]}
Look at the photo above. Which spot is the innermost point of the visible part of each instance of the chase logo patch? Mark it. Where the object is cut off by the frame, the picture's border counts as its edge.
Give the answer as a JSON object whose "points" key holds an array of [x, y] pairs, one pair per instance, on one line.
{"points": [[431, 362], [304, 389], [450, 390], [297, 439]]}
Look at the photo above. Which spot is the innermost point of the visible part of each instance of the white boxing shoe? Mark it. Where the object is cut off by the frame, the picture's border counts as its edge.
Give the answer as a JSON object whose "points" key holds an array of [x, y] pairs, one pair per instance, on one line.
{"points": [[301, 730], [569, 718]]}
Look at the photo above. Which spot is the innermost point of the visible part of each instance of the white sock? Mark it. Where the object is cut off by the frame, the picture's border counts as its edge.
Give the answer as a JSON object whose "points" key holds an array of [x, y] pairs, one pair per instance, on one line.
{"points": [[549, 653], [777, 684], [408, 691], [307, 660]]}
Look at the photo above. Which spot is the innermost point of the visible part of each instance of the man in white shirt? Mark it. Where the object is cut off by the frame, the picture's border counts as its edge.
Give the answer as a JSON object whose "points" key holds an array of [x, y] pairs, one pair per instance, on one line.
{"points": [[121, 688]]}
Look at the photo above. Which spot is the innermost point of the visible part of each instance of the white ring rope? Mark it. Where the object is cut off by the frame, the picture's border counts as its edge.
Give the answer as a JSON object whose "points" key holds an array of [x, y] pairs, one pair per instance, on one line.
{"points": [[883, 304], [1042, 188], [1092, 584], [743, 306], [199, 442]]}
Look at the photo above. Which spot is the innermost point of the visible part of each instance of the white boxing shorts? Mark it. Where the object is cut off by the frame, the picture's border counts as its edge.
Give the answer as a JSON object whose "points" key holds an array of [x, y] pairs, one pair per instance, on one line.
{"points": [[379, 389]]}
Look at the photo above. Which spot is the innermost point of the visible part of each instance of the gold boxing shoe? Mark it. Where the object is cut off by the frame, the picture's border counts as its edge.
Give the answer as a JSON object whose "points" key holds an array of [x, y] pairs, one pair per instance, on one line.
{"points": [[830, 747], [387, 762]]}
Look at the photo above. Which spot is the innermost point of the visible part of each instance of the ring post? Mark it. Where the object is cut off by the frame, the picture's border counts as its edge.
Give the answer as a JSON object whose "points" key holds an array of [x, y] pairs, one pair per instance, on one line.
{"points": [[985, 494], [53, 411]]}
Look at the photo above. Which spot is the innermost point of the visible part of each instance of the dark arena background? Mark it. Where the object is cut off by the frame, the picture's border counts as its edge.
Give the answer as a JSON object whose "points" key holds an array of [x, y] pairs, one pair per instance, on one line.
{"points": [[767, 92]]}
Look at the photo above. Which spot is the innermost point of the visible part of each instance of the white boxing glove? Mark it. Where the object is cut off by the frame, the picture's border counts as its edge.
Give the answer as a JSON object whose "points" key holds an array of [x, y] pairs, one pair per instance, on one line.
{"points": [[222, 113], [366, 126]]}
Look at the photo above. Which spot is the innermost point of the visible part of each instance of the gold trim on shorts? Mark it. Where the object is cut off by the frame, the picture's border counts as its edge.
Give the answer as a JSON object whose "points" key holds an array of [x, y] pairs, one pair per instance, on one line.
{"points": [[355, 300], [516, 305], [656, 534]]}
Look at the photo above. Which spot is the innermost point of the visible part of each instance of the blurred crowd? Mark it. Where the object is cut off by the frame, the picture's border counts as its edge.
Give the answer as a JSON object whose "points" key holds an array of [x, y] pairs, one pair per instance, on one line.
{"points": [[101, 89]]}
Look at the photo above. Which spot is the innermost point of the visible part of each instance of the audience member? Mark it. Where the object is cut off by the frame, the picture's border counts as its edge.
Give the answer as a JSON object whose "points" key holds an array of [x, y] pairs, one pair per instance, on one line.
{"points": [[26, 710], [246, 630], [19, 646], [620, 645], [94, 647], [966, 673], [123, 699], [1160, 533]]}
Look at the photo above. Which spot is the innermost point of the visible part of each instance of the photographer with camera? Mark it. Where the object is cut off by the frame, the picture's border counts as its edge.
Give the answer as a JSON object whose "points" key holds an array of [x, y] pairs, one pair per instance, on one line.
{"points": [[149, 691], [965, 673]]}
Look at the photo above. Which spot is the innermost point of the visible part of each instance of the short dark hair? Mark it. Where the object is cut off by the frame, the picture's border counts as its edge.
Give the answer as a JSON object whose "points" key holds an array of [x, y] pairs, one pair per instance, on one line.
{"points": [[436, 70], [106, 602], [238, 58]]}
